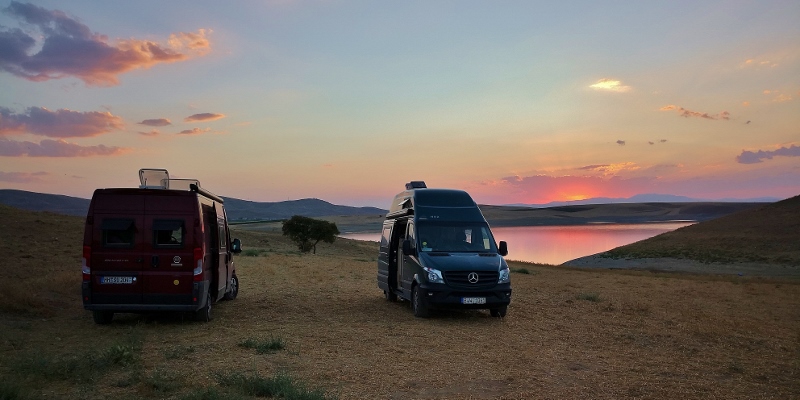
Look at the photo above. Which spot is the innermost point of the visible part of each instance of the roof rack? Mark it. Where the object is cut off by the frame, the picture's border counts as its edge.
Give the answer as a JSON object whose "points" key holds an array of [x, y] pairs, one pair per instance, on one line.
{"points": [[158, 178]]}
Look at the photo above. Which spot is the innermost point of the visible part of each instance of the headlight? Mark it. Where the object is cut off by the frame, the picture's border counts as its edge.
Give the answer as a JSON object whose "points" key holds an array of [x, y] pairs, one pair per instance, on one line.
{"points": [[434, 275], [505, 277]]}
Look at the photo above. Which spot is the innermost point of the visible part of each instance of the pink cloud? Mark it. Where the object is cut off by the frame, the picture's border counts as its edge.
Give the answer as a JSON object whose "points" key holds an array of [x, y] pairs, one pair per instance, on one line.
{"points": [[61, 123], [156, 122], [70, 48], [204, 117], [151, 133], [22, 177], [54, 148], [724, 115]]}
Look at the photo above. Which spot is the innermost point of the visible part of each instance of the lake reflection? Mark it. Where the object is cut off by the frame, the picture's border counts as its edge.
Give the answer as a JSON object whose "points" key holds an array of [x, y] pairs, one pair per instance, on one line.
{"points": [[558, 244]]}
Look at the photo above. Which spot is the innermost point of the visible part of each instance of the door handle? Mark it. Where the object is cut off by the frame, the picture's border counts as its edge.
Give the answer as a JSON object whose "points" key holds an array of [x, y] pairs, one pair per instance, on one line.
{"points": [[155, 261]]}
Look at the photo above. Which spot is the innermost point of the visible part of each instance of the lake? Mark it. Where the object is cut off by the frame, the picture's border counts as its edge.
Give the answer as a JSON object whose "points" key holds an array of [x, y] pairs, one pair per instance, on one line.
{"points": [[559, 244]]}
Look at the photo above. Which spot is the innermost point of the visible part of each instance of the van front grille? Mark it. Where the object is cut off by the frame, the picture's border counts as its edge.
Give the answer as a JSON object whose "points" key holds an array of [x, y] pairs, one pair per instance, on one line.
{"points": [[485, 279]]}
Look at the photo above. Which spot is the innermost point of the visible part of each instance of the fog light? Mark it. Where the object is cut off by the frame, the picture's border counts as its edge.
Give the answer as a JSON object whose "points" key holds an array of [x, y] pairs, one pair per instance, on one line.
{"points": [[430, 294]]}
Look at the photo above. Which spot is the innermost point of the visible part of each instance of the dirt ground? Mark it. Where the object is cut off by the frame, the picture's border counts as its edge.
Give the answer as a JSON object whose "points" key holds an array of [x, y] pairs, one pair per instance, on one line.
{"points": [[569, 333]]}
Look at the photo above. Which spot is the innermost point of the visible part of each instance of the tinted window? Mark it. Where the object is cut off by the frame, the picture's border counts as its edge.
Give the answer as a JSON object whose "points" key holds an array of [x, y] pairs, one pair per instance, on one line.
{"points": [[455, 237], [168, 233], [118, 232], [222, 238]]}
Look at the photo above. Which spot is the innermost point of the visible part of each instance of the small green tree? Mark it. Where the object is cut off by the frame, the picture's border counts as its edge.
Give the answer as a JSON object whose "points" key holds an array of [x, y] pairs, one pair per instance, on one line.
{"points": [[307, 232]]}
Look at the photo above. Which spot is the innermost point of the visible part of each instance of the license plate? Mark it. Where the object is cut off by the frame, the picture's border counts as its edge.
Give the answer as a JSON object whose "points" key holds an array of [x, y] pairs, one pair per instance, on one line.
{"points": [[117, 280], [473, 300]]}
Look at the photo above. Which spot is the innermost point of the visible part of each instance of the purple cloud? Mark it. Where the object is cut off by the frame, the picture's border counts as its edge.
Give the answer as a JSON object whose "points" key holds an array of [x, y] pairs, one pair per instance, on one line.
{"points": [[194, 131], [156, 122], [59, 124], [750, 157], [70, 48], [22, 177], [621, 142], [54, 148]]}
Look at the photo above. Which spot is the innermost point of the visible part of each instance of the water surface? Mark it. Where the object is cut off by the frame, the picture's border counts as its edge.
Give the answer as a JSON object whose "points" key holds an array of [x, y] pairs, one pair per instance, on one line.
{"points": [[558, 244]]}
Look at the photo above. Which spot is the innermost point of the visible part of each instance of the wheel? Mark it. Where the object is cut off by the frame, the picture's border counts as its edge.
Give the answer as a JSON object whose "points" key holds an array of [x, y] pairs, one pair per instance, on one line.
{"points": [[499, 312], [390, 296], [204, 314], [419, 304], [102, 317], [233, 291]]}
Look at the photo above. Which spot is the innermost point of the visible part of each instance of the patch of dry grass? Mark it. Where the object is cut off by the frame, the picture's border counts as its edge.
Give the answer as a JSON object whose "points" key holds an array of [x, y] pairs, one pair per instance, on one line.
{"points": [[649, 335]]}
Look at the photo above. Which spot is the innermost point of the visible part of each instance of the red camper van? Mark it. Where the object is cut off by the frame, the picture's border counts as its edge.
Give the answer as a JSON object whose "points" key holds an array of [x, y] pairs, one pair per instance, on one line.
{"points": [[162, 247]]}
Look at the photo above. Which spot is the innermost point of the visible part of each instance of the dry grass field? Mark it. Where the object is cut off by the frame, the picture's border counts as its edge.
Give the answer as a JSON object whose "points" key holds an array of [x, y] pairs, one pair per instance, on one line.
{"points": [[316, 326]]}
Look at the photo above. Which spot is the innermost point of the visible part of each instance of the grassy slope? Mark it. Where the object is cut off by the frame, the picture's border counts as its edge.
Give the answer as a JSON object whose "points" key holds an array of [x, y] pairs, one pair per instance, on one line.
{"points": [[569, 333], [769, 234]]}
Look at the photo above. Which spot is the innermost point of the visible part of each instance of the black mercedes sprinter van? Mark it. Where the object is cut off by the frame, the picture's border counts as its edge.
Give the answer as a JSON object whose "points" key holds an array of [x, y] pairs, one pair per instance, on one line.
{"points": [[438, 252]]}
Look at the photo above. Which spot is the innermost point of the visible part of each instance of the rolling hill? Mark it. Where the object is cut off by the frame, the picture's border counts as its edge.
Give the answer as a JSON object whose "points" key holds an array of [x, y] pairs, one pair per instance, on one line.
{"points": [[237, 209]]}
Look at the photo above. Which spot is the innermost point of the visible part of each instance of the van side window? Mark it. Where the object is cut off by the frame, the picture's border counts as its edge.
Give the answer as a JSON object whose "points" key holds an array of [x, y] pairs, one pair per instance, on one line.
{"points": [[118, 232], [168, 233], [386, 236]]}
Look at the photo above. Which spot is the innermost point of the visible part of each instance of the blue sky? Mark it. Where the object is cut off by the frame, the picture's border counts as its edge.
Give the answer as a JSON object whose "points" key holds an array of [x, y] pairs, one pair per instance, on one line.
{"points": [[346, 101]]}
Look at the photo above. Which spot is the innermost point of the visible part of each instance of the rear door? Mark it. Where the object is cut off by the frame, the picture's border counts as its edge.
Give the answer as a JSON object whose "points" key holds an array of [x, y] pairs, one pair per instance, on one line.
{"points": [[116, 258], [167, 268]]}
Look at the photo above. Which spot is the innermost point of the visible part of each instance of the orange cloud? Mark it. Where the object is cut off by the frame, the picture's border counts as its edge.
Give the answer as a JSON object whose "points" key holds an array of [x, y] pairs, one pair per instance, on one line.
{"points": [[69, 48], [60, 123], [689, 113], [204, 117], [611, 169], [610, 85], [54, 148]]}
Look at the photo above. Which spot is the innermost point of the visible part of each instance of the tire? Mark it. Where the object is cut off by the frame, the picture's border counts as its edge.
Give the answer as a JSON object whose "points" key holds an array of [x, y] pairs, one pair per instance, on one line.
{"points": [[419, 304], [234, 288], [390, 296], [204, 314], [102, 317], [499, 312]]}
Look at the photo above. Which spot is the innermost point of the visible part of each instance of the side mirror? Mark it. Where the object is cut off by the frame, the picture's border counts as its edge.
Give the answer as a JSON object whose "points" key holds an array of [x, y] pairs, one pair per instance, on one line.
{"points": [[407, 249], [236, 246], [502, 248]]}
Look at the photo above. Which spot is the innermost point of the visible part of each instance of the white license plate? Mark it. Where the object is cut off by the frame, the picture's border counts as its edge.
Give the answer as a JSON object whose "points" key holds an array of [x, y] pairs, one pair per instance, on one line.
{"points": [[473, 300], [117, 280]]}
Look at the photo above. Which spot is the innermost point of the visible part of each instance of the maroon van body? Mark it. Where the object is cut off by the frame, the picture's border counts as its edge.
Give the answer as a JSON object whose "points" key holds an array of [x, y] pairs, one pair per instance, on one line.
{"points": [[157, 250]]}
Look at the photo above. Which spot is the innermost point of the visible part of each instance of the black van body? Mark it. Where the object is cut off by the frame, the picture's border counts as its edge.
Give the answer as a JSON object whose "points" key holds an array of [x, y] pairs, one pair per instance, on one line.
{"points": [[438, 252], [162, 247]]}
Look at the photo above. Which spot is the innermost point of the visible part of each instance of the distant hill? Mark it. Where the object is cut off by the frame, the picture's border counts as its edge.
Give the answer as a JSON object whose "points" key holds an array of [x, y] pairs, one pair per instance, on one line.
{"points": [[54, 203], [251, 210], [769, 233], [647, 198], [622, 213], [237, 209]]}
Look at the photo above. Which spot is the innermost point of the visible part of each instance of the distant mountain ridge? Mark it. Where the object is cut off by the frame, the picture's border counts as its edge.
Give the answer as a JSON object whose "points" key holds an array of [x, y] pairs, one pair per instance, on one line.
{"points": [[237, 209], [646, 198]]}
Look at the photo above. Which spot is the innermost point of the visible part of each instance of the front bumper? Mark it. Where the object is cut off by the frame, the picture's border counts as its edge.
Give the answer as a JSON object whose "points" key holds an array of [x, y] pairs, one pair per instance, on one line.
{"points": [[441, 296]]}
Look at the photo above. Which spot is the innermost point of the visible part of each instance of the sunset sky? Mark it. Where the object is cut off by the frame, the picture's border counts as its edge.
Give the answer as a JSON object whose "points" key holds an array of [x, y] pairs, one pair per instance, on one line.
{"points": [[515, 102]]}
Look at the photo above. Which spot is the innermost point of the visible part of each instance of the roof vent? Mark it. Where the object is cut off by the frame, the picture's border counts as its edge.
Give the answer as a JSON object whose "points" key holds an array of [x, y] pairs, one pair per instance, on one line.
{"points": [[416, 185], [153, 178]]}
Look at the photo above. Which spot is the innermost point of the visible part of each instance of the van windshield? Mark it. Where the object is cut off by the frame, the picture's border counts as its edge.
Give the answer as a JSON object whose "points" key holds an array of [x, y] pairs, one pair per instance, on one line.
{"points": [[454, 237]]}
